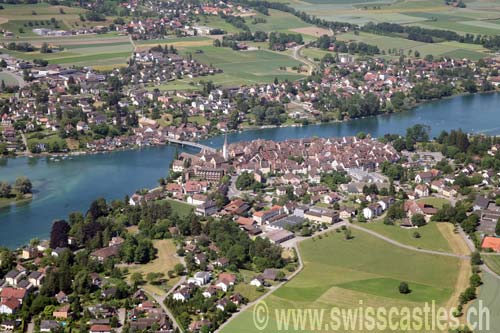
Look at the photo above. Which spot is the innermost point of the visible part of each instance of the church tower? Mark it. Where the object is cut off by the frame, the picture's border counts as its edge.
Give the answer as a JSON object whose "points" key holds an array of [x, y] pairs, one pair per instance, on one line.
{"points": [[225, 153]]}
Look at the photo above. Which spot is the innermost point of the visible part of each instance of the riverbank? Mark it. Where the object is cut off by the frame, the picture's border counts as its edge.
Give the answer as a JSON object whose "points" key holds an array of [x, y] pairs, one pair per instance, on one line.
{"points": [[413, 107], [7, 202], [68, 186]]}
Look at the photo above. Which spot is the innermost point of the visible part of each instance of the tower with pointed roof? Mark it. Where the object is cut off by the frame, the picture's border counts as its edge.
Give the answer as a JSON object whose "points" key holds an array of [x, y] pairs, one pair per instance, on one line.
{"points": [[225, 153]]}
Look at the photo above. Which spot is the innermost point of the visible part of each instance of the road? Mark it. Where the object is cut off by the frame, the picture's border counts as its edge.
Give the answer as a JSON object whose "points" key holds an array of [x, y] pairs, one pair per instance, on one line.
{"points": [[291, 243], [20, 81], [233, 191], [122, 313], [408, 247], [472, 247], [161, 299], [297, 55]]}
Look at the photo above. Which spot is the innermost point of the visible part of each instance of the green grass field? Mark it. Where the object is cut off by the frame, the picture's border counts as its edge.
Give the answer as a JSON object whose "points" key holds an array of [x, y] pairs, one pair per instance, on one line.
{"points": [[277, 21], [493, 262], [342, 273], [166, 260], [13, 17], [182, 209], [488, 295], [430, 236], [450, 49], [217, 22], [8, 79], [244, 67], [83, 53], [435, 202], [428, 13]]}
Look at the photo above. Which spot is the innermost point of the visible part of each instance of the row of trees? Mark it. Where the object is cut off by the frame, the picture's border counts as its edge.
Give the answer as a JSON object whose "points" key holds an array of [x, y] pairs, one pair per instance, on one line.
{"points": [[431, 35], [325, 42], [279, 39]]}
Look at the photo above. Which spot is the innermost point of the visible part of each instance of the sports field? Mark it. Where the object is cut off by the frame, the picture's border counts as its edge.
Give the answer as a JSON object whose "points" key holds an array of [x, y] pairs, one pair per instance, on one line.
{"points": [[343, 273]]}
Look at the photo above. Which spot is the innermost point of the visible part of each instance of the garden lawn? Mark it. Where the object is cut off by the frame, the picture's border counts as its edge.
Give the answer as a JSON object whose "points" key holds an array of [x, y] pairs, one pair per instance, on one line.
{"points": [[435, 202], [182, 209], [342, 273]]}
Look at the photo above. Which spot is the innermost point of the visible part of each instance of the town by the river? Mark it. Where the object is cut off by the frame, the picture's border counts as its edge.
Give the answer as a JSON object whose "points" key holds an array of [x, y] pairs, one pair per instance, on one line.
{"points": [[71, 184]]}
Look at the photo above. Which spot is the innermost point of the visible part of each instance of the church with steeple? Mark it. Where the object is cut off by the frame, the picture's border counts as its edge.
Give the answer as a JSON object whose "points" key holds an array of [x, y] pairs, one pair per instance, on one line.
{"points": [[225, 152]]}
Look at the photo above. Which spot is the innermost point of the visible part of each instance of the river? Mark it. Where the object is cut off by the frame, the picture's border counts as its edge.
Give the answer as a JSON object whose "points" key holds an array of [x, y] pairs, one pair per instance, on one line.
{"points": [[71, 184]]}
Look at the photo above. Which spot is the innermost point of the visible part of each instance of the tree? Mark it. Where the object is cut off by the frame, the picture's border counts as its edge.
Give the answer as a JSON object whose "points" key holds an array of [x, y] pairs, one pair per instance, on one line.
{"points": [[136, 279], [179, 269], [244, 181], [45, 48], [418, 220], [23, 185], [153, 277], [5, 190], [475, 280], [475, 258], [347, 234], [497, 227], [59, 234], [404, 288]]}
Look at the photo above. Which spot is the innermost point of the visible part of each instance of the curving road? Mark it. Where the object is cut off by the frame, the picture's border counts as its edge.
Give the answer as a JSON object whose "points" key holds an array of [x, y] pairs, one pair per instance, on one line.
{"points": [[297, 55], [408, 247]]}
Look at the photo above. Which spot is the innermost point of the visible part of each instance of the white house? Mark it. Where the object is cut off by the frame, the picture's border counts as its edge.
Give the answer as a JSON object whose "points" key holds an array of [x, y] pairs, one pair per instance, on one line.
{"points": [[257, 281], [372, 211], [183, 294], [9, 306], [200, 278]]}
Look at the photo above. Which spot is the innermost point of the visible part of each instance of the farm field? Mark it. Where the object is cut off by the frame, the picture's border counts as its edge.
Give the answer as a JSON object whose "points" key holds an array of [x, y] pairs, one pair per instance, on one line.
{"points": [[449, 49], [15, 17], [428, 13], [213, 21], [244, 67], [110, 52], [361, 269], [193, 41], [166, 260], [277, 21]]}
